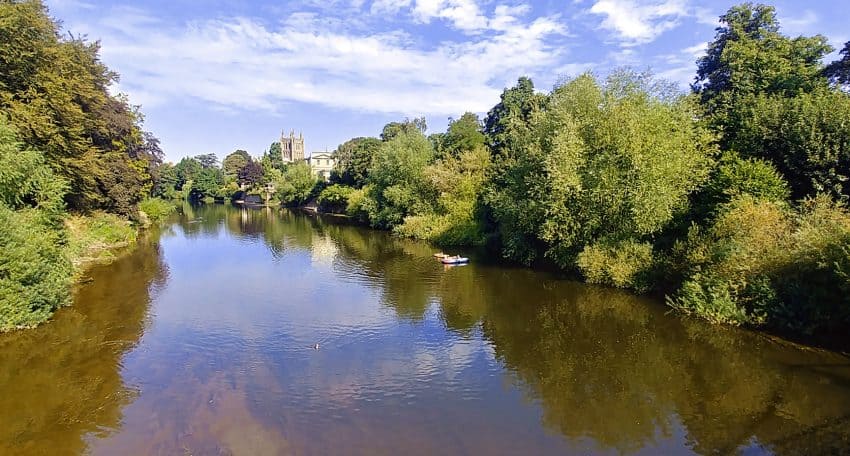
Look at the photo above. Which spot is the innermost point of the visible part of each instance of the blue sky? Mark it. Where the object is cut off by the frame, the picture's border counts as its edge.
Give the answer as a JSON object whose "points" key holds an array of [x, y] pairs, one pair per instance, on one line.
{"points": [[217, 75]]}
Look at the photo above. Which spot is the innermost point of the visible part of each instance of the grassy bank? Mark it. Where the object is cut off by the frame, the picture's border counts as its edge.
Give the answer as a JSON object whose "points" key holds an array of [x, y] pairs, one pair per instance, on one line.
{"points": [[96, 238]]}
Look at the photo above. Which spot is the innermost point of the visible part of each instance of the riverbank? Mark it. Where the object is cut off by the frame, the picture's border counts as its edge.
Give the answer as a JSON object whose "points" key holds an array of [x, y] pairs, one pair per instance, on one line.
{"points": [[42, 266], [97, 238]]}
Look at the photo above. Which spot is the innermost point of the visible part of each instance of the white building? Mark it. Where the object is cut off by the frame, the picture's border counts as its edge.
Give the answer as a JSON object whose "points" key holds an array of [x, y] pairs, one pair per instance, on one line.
{"points": [[322, 163]]}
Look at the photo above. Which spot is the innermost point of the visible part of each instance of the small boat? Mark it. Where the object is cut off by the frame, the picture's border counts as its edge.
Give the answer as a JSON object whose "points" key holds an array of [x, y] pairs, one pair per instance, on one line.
{"points": [[454, 260], [440, 255]]}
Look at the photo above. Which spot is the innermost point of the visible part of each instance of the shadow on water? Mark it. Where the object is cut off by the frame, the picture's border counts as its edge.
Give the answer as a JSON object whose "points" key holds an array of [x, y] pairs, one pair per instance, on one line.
{"points": [[415, 357]]}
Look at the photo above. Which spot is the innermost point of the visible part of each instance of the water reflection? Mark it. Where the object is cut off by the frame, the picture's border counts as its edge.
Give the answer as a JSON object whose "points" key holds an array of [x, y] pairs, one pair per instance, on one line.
{"points": [[415, 358], [62, 381]]}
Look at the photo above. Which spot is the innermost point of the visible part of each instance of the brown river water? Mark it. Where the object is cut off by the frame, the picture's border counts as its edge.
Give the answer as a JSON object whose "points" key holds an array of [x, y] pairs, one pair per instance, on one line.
{"points": [[202, 341]]}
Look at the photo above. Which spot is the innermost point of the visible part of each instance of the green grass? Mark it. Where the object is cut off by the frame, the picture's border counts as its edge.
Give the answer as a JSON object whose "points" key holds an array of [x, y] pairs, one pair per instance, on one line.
{"points": [[95, 237]]}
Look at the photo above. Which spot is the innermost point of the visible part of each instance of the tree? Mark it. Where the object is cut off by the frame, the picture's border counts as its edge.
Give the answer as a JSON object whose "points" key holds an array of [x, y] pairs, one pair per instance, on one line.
{"points": [[276, 156], [805, 137], [838, 71], [397, 184], [393, 129], [605, 165], [767, 97], [207, 183], [233, 163], [463, 134], [57, 92], [353, 161], [507, 125], [251, 174], [207, 160], [750, 55], [187, 170], [454, 218], [169, 183], [297, 185]]}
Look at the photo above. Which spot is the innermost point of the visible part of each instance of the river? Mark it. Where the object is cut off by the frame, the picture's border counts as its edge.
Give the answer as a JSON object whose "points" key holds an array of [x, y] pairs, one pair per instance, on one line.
{"points": [[202, 341]]}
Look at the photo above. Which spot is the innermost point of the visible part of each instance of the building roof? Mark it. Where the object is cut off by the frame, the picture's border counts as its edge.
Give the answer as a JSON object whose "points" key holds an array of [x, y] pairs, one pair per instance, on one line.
{"points": [[321, 155]]}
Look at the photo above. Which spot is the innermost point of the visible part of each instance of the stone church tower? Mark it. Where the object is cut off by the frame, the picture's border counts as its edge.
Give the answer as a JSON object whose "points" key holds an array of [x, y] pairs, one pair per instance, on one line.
{"points": [[292, 147]]}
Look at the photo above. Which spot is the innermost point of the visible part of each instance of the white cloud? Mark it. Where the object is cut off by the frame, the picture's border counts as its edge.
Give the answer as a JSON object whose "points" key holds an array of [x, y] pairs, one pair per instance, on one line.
{"points": [[243, 63], [389, 6], [639, 21], [466, 16]]}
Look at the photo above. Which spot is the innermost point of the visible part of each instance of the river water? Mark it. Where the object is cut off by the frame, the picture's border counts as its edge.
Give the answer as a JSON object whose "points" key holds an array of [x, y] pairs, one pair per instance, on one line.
{"points": [[202, 341]]}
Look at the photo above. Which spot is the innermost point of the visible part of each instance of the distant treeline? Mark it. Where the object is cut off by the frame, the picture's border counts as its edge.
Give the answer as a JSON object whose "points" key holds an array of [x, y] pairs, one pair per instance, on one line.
{"points": [[66, 144]]}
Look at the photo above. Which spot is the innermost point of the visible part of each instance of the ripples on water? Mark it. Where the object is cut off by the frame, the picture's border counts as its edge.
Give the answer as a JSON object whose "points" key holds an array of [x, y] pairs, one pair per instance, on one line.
{"points": [[201, 342]]}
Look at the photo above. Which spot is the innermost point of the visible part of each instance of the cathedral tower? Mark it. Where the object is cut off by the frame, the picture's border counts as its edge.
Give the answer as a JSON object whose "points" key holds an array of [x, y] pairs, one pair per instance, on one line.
{"points": [[292, 147]]}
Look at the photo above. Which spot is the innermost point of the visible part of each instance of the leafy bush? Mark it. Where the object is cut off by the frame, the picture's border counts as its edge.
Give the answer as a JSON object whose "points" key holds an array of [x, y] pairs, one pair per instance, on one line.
{"points": [[623, 265], [358, 204], [454, 218], [297, 184], [156, 209], [34, 271], [762, 263], [735, 176], [334, 198]]}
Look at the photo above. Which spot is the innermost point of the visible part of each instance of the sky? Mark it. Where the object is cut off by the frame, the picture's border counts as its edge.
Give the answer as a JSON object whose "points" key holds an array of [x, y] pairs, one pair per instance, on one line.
{"points": [[216, 76]]}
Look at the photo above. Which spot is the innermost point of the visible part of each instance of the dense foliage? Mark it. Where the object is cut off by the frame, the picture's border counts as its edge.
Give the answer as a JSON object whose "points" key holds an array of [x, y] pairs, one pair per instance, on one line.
{"points": [[55, 92], [66, 143]]}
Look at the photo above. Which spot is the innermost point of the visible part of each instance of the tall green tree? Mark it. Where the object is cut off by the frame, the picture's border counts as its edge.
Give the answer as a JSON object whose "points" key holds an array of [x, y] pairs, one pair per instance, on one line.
{"points": [[508, 124], [463, 134], [393, 129], [169, 183], [397, 185], [749, 55], [276, 156], [187, 170], [353, 161], [233, 163], [207, 183], [767, 97], [605, 165], [56, 91]]}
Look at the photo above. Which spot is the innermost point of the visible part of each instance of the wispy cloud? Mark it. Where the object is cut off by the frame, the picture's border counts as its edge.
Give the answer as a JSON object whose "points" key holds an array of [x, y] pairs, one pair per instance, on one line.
{"points": [[637, 21], [246, 63]]}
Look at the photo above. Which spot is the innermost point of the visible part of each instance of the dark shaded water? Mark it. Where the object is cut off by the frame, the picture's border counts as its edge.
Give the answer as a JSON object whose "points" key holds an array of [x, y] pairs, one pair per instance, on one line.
{"points": [[199, 342]]}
